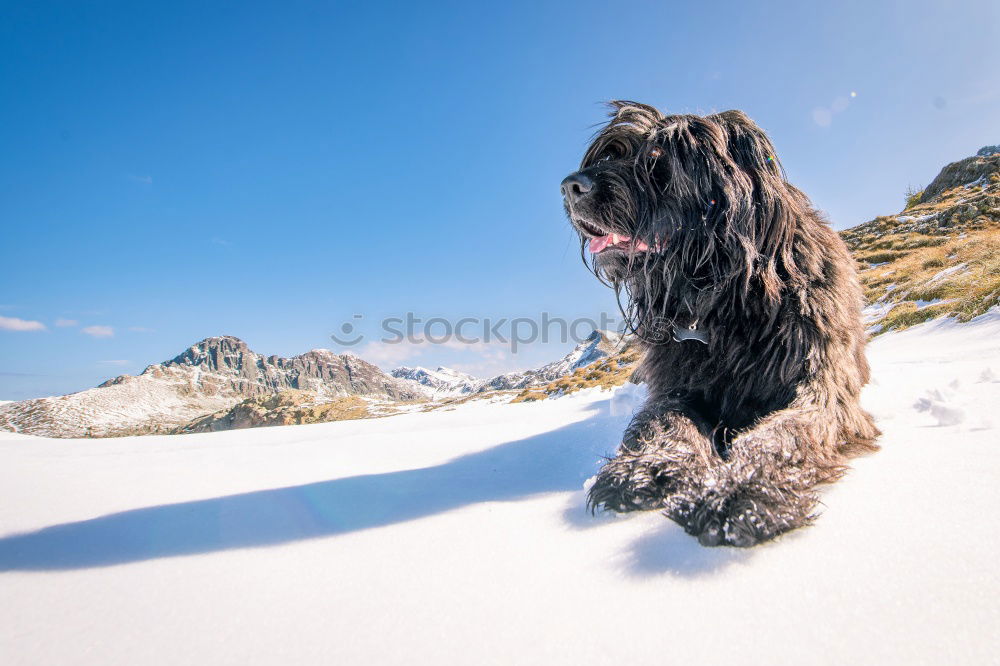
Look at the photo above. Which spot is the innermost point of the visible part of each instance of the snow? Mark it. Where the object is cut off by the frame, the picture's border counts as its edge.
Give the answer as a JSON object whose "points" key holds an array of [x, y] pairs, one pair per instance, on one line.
{"points": [[951, 270], [921, 303], [875, 311], [916, 218], [460, 537], [981, 181]]}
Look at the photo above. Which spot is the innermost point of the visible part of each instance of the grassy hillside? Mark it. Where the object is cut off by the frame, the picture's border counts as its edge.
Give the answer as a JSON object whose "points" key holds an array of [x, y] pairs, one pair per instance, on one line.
{"points": [[940, 256]]}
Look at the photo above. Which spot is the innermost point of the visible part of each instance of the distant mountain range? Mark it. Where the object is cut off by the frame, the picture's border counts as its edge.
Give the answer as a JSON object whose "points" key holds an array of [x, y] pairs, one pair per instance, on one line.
{"points": [[220, 383], [211, 375], [445, 382]]}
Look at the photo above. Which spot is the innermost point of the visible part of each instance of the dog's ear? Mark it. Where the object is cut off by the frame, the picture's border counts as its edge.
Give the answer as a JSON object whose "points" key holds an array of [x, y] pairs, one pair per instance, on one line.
{"points": [[748, 145], [642, 117], [767, 213]]}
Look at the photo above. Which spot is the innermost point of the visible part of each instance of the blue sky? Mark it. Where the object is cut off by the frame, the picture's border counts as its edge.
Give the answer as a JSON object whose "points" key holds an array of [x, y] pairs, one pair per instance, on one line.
{"points": [[178, 170]]}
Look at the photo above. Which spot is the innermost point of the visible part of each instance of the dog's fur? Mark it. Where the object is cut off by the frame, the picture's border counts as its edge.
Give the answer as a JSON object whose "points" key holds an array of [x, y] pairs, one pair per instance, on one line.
{"points": [[737, 433]]}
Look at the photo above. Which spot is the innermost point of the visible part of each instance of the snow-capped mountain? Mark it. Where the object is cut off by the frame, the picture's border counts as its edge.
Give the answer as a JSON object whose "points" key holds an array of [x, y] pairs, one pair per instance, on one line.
{"points": [[445, 382], [209, 376], [597, 345], [440, 383]]}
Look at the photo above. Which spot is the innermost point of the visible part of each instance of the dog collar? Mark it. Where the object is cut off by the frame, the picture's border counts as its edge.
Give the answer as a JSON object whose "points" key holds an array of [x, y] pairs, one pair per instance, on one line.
{"points": [[692, 332]]}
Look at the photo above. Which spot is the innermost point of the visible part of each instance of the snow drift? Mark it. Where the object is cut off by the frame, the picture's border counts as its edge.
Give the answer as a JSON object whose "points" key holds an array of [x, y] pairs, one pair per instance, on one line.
{"points": [[460, 537]]}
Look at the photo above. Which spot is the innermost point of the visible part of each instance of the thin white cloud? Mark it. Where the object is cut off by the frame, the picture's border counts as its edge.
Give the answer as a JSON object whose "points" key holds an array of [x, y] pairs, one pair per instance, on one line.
{"points": [[486, 370], [15, 324], [64, 323], [387, 355], [478, 358], [140, 329], [494, 351], [98, 331], [486, 359], [145, 180]]}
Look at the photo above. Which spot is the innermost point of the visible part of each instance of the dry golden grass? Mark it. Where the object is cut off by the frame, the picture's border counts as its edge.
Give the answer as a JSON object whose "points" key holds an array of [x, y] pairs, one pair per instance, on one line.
{"points": [[957, 275], [339, 409], [289, 407]]}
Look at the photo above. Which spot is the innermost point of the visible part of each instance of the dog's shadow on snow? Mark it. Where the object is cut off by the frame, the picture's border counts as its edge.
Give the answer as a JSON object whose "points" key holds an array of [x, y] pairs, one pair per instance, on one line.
{"points": [[664, 549], [669, 550], [555, 461]]}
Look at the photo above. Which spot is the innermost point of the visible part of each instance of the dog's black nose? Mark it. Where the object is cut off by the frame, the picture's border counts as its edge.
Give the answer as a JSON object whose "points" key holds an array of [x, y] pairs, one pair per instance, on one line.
{"points": [[575, 185]]}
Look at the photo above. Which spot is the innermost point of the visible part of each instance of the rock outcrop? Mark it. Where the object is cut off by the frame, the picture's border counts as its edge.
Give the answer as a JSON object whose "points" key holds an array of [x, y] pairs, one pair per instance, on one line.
{"points": [[289, 407], [971, 171]]}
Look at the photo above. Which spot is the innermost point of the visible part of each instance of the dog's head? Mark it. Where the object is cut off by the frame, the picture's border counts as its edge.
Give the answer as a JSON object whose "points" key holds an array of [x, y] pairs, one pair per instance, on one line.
{"points": [[703, 197]]}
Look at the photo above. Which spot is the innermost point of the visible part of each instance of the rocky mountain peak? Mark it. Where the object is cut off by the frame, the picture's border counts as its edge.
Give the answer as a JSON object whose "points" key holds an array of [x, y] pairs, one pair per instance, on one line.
{"points": [[224, 352], [970, 171]]}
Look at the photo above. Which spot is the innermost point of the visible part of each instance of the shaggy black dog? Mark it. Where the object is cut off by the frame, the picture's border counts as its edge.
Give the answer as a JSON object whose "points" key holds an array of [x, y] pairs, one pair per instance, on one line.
{"points": [[748, 308]]}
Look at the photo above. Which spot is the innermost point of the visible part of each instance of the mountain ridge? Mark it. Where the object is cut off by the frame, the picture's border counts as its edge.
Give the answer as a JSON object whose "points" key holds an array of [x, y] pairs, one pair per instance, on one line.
{"points": [[213, 374]]}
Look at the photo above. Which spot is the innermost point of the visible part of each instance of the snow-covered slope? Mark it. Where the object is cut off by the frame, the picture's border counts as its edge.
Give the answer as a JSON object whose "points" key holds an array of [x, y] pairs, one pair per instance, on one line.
{"points": [[460, 537]]}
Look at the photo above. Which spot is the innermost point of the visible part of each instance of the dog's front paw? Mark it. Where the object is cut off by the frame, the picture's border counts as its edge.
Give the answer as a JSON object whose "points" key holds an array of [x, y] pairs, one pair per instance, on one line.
{"points": [[629, 482], [741, 517]]}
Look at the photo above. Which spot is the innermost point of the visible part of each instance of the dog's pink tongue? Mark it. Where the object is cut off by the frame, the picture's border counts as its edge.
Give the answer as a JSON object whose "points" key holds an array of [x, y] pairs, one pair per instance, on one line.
{"points": [[600, 243]]}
